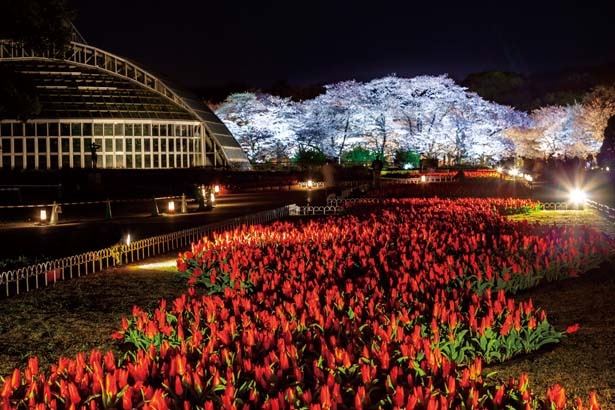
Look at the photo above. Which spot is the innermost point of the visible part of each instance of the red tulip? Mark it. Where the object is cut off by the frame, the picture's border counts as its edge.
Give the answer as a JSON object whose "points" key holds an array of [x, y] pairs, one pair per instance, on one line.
{"points": [[556, 395], [572, 328]]}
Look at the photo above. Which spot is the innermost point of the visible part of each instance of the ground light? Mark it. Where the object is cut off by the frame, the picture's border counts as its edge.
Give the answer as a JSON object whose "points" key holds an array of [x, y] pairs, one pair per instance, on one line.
{"points": [[577, 197], [171, 207], [423, 178], [43, 216], [310, 184], [158, 265]]}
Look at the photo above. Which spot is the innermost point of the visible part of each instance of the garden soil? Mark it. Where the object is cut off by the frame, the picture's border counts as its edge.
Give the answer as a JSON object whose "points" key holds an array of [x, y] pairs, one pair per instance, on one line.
{"points": [[80, 315]]}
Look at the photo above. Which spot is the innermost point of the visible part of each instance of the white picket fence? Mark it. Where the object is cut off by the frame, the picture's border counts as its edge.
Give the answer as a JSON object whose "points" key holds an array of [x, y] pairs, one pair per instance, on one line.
{"points": [[423, 179], [40, 275], [37, 276]]}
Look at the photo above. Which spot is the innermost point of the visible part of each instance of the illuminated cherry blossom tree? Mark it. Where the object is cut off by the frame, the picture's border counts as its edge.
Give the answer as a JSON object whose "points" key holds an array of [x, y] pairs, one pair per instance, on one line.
{"points": [[564, 132], [429, 115], [598, 107], [260, 123]]}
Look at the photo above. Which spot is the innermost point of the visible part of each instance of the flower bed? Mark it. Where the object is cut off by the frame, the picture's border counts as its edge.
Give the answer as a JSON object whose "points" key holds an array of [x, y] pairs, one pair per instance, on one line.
{"points": [[467, 187], [395, 305]]}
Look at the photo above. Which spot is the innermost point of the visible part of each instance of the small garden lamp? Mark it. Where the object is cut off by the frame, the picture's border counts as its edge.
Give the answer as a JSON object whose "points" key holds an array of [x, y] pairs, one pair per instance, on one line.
{"points": [[171, 207], [43, 216]]}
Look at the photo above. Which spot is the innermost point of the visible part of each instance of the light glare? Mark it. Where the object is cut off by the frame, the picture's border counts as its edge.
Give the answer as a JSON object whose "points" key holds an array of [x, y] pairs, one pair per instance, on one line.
{"points": [[578, 197]]}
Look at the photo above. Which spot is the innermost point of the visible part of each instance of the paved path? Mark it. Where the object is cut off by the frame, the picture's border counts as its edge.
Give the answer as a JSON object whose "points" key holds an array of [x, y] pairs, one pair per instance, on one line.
{"points": [[77, 234]]}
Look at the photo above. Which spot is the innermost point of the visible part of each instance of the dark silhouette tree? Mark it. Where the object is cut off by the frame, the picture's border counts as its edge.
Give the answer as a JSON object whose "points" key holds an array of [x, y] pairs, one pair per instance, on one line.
{"points": [[497, 86], [606, 156], [41, 26], [309, 158]]}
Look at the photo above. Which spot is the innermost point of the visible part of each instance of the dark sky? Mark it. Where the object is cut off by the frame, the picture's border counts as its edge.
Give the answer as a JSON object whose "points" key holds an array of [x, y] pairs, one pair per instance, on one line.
{"points": [[212, 43]]}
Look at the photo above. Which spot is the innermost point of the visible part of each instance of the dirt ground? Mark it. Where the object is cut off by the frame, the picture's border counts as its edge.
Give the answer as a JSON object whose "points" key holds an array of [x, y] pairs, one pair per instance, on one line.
{"points": [[585, 360], [79, 315]]}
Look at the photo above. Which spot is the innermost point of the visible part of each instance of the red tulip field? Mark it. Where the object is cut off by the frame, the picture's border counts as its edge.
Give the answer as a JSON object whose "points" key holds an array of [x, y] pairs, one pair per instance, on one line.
{"points": [[396, 304]]}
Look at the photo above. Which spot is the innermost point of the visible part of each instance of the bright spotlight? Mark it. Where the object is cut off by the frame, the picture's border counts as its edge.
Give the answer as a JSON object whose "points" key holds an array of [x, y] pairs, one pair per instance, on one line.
{"points": [[499, 170], [578, 197], [513, 172]]}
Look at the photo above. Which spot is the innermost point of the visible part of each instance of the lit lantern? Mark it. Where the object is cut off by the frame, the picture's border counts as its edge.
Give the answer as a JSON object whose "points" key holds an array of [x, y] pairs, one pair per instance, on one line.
{"points": [[423, 178], [216, 188], [171, 207], [127, 239], [43, 216], [310, 184]]}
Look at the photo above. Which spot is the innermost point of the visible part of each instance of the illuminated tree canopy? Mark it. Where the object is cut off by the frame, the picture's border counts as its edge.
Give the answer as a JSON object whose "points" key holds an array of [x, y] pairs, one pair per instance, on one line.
{"points": [[429, 115]]}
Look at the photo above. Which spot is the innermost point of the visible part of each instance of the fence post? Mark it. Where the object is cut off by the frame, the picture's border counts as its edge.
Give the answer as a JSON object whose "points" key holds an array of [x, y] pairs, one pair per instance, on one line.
{"points": [[108, 214], [184, 205]]}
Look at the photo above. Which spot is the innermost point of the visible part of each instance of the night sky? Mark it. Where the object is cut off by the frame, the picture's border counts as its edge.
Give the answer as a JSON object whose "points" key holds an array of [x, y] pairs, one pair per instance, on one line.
{"points": [[212, 43]]}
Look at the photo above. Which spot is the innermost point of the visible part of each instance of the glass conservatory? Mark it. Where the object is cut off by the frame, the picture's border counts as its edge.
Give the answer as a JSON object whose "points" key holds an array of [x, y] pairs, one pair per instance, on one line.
{"points": [[98, 109]]}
